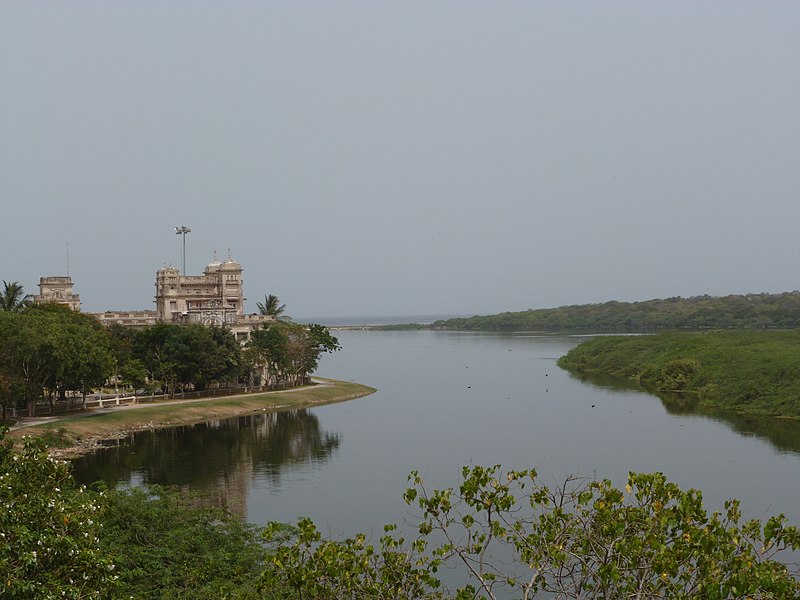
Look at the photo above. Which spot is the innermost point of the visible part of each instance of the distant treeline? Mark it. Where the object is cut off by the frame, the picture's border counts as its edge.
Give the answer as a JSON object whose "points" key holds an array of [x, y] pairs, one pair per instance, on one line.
{"points": [[779, 311], [746, 371]]}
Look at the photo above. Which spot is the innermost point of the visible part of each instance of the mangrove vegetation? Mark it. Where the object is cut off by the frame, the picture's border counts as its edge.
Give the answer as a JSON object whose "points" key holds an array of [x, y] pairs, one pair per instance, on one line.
{"points": [[756, 372]]}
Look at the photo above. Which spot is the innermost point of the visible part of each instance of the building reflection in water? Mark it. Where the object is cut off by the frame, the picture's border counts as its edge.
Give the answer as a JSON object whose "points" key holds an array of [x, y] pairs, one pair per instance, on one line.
{"points": [[218, 459]]}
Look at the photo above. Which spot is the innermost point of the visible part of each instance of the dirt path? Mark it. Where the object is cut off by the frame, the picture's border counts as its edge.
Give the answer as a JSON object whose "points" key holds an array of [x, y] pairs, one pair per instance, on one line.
{"points": [[34, 421], [70, 436]]}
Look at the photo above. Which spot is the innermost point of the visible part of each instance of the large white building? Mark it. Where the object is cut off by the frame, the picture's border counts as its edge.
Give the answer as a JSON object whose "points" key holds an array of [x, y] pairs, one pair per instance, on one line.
{"points": [[214, 298]]}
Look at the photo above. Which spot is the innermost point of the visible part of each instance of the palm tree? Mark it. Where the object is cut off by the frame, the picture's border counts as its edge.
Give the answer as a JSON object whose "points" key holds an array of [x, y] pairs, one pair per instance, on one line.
{"points": [[272, 307], [12, 298]]}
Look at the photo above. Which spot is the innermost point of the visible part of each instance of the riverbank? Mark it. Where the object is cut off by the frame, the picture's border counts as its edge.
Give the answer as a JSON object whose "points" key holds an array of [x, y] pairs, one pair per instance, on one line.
{"points": [[71, 436], [752, 372]]}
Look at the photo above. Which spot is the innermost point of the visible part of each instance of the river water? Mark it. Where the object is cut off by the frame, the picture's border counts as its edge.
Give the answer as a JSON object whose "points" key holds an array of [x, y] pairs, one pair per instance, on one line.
{"points": [[449, 399]]}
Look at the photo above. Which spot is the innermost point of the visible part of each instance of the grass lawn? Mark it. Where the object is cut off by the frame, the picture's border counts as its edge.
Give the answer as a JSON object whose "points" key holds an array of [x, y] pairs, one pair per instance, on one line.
{"points": [[74, 434]]}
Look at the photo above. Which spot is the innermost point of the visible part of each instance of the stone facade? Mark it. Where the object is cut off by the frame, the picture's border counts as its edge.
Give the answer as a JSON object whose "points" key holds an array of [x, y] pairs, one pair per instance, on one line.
{"points": [[58, 290], [214, 298], [128, 318]]}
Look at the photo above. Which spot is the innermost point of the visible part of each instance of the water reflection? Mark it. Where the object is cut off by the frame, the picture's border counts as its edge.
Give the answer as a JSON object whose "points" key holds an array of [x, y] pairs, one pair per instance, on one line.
{"points": [[218, 458], [449, 400], [782, 433]]}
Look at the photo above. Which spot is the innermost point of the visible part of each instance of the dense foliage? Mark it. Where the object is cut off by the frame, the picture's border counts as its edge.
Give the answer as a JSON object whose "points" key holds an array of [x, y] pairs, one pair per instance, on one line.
{"points": [[286, 353], [169, 545], [186, 356], [698, 312], [50, 352], [49, 530], [751, 371]]}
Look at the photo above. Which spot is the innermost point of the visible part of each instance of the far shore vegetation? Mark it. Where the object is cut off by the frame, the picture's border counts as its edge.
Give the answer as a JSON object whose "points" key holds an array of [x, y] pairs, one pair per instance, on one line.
{"points": [[754, 372], [746, 311], [733, 353]]}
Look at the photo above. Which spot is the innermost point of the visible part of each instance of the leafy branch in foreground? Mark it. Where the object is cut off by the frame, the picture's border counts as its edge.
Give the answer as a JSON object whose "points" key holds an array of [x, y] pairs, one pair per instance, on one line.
{"points": [[513, 536], [49, 529]]}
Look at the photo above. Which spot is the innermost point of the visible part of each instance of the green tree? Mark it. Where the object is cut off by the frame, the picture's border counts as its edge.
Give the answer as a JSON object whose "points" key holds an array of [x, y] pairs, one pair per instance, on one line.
{"points": [[12, 297], [304, 565], [225, 364], [268, 348], [51, 348], [187, 355], [317, 340], [133, 373], [272, 307], [6, 394], [122, 339], [289, 352], [83, 350], [49, 530], [28, 353], [169, 545]]}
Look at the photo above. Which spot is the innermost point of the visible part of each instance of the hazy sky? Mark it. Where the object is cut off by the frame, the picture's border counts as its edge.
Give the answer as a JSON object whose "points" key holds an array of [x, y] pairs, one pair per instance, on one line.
{"points": [[371, 158]]}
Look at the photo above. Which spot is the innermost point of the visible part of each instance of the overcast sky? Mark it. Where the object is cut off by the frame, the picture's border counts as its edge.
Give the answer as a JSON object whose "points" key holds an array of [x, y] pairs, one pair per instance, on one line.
{"points": [[378, 158]]}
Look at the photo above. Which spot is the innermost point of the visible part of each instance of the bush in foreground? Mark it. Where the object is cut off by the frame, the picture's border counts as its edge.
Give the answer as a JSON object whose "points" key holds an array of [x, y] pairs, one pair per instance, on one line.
{"points": [[49, 529], [170, 545], [585, 539]]}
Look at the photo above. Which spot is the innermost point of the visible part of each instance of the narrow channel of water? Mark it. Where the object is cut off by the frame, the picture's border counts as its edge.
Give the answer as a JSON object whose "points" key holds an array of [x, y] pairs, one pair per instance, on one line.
{"points": [[451, 399]]}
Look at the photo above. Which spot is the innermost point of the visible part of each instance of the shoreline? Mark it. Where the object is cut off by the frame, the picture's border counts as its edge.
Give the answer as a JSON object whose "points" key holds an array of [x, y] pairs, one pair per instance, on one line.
{"points": [[72, 436]]}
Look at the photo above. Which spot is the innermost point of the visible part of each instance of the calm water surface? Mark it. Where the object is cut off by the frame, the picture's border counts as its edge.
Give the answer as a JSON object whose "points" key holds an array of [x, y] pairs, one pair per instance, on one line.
{"points": [[451, 399]]}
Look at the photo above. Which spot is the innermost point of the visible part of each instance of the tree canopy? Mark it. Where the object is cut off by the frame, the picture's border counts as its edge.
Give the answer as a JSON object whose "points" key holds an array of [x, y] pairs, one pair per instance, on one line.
{"points": [[289, 352], [50, 348], [186, 355], [48, 351]]}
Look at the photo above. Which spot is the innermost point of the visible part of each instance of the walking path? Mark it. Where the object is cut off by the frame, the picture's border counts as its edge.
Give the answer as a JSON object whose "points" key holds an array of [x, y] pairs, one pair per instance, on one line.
{"points": [[33, 421]]}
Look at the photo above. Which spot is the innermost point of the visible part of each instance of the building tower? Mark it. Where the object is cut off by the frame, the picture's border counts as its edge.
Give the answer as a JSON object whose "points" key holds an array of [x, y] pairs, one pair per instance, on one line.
{"points": [[58, 290]]}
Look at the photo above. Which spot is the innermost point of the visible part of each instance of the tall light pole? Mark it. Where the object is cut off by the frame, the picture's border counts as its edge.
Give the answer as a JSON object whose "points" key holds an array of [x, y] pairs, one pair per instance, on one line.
{"points": [[183, 230]]}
